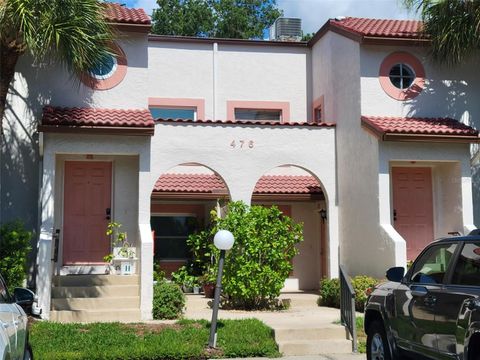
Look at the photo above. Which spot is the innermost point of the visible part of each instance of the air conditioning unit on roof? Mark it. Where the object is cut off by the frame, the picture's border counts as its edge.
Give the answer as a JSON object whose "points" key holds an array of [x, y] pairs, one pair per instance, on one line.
{"points": [[286, 29]]}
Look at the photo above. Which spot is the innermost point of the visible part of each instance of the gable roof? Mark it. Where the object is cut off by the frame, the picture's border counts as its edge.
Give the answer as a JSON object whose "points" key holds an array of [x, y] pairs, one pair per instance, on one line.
{"points": [[375, 31], [128, 18], [122, 121], [420, 129]]}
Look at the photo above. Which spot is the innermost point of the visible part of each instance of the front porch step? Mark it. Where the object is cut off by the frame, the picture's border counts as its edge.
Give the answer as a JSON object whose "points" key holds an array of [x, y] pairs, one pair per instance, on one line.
{"points": [[95, 291], [95, 298], [95, 280], [101, 303], [317, 347], [89, 316]]}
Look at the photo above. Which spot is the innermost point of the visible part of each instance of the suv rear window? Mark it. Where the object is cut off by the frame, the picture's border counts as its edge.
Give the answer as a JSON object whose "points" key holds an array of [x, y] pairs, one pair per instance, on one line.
{"points": [[467, 269], [431, 267]]}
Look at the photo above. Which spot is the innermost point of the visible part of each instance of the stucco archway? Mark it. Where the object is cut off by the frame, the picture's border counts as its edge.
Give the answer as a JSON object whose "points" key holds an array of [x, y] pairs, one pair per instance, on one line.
{"points": [[299, 193], [181, 202]]}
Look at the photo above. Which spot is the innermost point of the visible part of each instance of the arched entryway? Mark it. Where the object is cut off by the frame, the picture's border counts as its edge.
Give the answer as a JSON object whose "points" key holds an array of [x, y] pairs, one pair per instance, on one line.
{"points": [[181, 202], [299, 194]]}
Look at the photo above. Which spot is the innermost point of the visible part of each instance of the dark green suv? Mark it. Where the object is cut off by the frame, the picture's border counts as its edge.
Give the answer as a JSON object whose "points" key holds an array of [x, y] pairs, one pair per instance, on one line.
{"points": [[434, 310]]}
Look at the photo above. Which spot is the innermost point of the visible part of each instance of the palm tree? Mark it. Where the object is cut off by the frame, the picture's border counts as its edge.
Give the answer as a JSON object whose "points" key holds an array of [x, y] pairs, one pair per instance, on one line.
{"points": [[452, 25], [71, 32]]}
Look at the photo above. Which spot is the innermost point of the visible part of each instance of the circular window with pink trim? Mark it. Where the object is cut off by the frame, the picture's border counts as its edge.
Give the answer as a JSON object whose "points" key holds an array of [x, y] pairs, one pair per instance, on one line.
{"points": [[109, 73], [402, 76]]}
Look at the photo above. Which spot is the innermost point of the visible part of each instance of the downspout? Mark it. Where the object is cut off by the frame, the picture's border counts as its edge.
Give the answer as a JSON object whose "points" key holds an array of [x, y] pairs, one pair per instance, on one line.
{"points": [[215, 76]]}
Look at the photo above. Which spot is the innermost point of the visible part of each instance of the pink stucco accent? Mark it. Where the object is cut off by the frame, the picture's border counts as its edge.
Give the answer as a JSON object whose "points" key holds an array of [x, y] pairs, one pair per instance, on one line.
{"points": [[198, 104], [402, 58], [284, 106], [113, 80], [319, 102]]}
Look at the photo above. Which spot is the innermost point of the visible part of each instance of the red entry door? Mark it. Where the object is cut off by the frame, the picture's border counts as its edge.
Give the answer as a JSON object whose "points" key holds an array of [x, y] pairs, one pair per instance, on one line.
{"points": [[413, 207], [87, 195]]}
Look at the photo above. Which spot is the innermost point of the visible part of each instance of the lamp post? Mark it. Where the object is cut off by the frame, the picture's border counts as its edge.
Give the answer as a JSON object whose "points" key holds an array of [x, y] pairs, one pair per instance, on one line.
{"points": [[223, 241]]}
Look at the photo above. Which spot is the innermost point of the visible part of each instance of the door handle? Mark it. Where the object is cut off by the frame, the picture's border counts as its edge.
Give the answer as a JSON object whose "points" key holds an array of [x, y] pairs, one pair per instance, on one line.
{"points": [[394, 214], [108, 213], [419, 291]]}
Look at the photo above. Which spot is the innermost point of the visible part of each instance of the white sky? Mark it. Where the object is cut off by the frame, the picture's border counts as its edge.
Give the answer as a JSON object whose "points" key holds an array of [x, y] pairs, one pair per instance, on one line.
{"points": [[314, 13]]}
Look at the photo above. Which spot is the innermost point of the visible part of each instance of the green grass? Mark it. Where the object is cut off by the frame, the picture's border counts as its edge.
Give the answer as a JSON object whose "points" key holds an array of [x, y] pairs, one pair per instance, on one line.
{"points": [[185, 339]]}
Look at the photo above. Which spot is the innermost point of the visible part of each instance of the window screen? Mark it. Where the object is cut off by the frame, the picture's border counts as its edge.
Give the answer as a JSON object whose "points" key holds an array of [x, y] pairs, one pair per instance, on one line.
{"points": [[258, 115], [171, 233], [467, 269], [173, 113]]}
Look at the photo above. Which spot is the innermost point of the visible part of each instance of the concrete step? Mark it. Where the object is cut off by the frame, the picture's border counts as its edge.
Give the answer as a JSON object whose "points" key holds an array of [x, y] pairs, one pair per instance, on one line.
{"points": [[301, 300], [317, 347], [95, 280], [95, 291], [304, 333], [101, 303], [89, 316]]}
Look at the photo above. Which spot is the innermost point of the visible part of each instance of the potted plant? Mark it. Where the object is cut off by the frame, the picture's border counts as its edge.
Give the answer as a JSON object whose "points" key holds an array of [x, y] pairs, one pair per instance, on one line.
{"points": [[182, 278], [123, 258], [208, 280]]}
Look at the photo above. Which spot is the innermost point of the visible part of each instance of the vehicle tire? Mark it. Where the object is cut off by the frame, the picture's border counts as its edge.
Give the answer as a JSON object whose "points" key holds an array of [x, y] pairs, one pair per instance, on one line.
{"points": [[28, 355], [377, 343]]}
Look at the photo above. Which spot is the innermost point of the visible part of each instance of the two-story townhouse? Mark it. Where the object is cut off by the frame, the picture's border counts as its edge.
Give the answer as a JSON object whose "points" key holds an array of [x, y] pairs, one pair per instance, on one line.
{"points": [[344, 133]]}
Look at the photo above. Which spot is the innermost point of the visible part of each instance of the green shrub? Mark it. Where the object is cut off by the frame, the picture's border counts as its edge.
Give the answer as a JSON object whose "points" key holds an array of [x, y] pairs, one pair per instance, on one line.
{"points": [[261, 257], [14, 249], [329, 293], [360, 284], [168, 301]]}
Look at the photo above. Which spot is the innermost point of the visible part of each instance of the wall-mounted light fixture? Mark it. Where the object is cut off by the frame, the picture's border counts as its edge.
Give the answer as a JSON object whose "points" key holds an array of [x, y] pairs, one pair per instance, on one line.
{"points": [[323, 214]]}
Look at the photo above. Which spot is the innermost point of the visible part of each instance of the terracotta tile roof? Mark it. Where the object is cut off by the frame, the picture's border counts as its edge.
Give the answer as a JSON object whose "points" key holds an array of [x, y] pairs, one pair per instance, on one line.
{"points": [[116, 13], [419, 126], [268, 184], [199, 183], [243, 122], [287, 184], [92, 117], [405, 29]]}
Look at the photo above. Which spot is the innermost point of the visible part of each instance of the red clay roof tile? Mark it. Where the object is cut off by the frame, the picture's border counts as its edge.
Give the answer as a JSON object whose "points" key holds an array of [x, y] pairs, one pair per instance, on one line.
{"points": [[268, 184], [57, 116], [246, 122], [418, 125], [116, 13], [406, 29]]}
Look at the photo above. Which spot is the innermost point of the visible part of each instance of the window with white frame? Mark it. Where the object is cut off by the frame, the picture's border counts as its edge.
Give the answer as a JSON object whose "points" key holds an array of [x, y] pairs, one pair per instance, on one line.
{"points": [[258, 114], [171, 233], [185, 113]]}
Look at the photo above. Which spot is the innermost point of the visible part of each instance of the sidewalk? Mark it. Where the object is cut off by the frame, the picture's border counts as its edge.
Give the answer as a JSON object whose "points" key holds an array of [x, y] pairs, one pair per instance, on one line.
{"points": [[315, 357]]}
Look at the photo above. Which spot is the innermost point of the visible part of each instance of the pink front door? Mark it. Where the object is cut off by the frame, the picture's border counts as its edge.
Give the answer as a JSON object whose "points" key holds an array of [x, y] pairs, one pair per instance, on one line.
{"points": [[413, 207], [87, 196]]}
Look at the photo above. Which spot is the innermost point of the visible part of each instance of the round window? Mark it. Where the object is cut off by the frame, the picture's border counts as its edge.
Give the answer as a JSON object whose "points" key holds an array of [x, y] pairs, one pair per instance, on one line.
{"points": [[109, 73], [105, 69], [402, 76]]}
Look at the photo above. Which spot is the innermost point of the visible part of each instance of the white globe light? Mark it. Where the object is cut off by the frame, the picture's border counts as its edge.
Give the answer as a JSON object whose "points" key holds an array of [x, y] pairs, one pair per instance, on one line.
{"points": [[223, 240]]}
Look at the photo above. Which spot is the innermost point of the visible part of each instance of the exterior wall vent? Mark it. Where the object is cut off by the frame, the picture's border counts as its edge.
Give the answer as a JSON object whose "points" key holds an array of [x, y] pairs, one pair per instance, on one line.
{"points": [[286, 29]]}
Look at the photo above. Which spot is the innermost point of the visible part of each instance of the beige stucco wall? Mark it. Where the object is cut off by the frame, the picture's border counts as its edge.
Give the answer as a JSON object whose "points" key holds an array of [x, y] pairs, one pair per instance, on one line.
{"points": [[229, 72]]}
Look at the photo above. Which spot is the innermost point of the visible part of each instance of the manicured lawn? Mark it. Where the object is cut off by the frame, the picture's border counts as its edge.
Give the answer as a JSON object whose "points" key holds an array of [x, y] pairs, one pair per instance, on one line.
{"points": [[185, 339]]}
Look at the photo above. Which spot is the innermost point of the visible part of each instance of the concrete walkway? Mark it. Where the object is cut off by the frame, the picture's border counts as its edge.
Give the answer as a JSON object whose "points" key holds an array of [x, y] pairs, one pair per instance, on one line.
{"points": [[304, 329], [314, 357]]}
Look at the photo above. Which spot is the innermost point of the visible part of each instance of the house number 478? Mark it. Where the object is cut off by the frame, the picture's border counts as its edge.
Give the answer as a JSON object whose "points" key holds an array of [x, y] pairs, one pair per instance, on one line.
{"points": [[242, 144]]}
